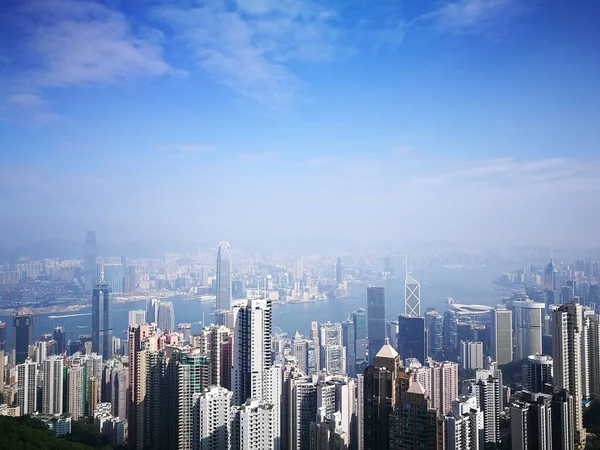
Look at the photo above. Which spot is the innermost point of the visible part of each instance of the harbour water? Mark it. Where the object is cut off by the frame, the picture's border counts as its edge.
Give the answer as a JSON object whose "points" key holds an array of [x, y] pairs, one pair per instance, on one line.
{"points": [[474, 285]]}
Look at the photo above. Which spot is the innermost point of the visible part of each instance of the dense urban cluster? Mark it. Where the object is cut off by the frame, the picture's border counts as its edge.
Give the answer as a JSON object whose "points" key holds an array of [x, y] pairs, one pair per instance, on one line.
{"points": [[426, 380]]}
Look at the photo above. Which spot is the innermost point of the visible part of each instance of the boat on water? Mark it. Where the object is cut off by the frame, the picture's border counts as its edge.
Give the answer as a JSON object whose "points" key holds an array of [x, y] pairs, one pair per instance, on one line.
{"points": [[66, 316]]}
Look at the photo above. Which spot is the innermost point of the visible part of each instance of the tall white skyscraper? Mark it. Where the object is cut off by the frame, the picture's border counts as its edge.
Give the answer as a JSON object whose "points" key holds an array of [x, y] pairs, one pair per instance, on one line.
{"points": [[528, 328], [212, 419], [412, 293], [251, 348], [254, 425], [471, 355], [501, 335], [567, 328], [27, 373], [488, 391], [137, 317], [90, 272], [52, 400], [465, 425], [224, 274]]}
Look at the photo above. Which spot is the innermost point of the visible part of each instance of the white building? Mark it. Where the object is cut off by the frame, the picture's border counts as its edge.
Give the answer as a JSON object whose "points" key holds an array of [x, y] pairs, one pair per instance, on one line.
{"points": [[464, 426], [254, 425], [488, 392], [52, 391], [501, 335], [334, 359], [137, 317], [27, 374], [212, 419], [528, 328], [471, 355]]}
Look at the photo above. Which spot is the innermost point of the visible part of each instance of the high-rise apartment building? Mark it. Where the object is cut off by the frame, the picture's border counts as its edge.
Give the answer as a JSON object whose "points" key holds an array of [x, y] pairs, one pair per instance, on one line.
{"points": [[488, 391], [314, 337], [213, 341], [464, 425], [224, 274], [567, 328], [531, 421], [52, 388], [27, 373], [251, 348], [89, 262], [137, 317], [212, 419], [76, 389], [303, 410], [253, 426], [166, 316], [440, 381], [376, 320], [412, 337], [471, 355], [22, 334], [501, 338], [102, 331], [538, 374], [528, 328]]}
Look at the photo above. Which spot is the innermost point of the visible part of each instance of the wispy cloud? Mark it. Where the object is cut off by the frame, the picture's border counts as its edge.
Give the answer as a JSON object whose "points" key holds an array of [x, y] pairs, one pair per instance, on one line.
{"points": [[184, 149], [25, 100], [254, 157], [249, 46]]}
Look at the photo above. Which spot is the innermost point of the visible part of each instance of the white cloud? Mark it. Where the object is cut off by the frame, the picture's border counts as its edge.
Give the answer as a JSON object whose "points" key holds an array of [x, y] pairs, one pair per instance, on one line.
{"points": [[248, 47], [469, 15]]}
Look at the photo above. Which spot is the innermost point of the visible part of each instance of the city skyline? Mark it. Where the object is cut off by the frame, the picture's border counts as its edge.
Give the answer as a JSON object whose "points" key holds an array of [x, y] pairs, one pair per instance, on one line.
{"points": [[481, 106]]}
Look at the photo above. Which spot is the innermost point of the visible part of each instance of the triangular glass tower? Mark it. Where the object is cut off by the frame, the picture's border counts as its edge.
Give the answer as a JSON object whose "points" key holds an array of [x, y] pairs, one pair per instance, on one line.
{"points": [[412, 293]]}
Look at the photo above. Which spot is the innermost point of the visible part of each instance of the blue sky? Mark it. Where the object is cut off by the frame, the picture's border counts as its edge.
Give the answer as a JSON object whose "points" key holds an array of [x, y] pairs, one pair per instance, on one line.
{"points": [[470, 121]]}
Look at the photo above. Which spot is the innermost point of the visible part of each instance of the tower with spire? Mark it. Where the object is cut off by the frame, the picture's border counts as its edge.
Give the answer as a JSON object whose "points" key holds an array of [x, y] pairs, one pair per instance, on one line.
{"points": [[412, 293]]}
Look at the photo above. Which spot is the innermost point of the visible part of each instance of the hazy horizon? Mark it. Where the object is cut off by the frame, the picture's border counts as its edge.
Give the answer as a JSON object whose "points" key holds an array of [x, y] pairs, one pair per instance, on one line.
{"points": [[294, 124]]}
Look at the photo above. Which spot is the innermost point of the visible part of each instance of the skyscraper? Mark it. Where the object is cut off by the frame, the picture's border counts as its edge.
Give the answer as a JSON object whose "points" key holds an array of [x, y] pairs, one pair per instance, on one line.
{"points": [[102, 332], [251, 349], [501, 335], [531, 421], [528, 328], [223, 288], [76, 388], [434, 323], [412, 338], [412, 294], [22, 334], [27, 374], [166, 316], [550, 277], [464, 426], [537, 373], [471, 355], [3, 335], [52, 391], [137, 317], [359, 318], [61, 339], [89, 262], [488, 391], [339, 271], [376, 319], [212, 419], [253, 426], [567, 328], [349, 342]]}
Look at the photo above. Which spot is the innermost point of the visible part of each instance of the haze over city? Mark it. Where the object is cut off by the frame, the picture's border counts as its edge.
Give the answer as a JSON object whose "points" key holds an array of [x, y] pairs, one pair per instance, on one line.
{"points": [[283, 125]]}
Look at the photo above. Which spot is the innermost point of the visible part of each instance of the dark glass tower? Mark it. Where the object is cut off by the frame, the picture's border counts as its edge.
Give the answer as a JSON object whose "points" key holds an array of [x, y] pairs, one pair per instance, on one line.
{"points": [[22, 336], [376, 319], [412, 338], [339, 271], [60, 338], [350, 343], [102, 332], [2, 335]]}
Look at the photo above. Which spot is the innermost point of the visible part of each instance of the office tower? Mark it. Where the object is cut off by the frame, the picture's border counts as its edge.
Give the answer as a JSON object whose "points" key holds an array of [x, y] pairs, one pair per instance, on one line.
{"points": [[563, 421], [303, 409], [376, 320], [537, 373], [253, 426], [434, 324], [450, 335], [212, 424], [550, 277], [223, 288], [359, 318], [412, 294], [130, 279], [27, 374], [92, 398], [566, 294], [22, 334], [349, 342], [52, 391], [440, 381], [414, 424], [501, 338], [471, 355], [76, 387], [567, 327], [3, 336], [314, 336], [488, 390], [528, 328], [166, 316], [251, 348], [102, 332], [299, 351], [339, 271], [89, 262], [334, 359], [211, 341], [464, 425], [40, 353], [152, 310], [412, 337], [360, 411], [61, 340], [137, 317], [383, 381], [531, 421], [114, 275]]}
